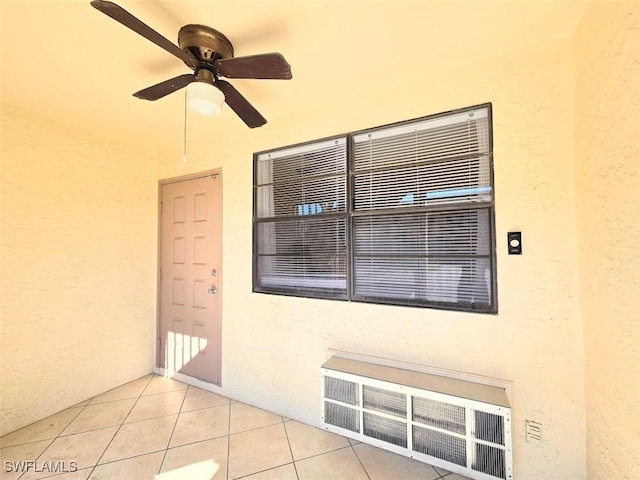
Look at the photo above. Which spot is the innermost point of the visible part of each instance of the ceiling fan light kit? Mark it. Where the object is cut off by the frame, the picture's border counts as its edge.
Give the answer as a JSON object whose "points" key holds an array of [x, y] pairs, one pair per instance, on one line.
{"points": [[203, 97], [210, 55]]}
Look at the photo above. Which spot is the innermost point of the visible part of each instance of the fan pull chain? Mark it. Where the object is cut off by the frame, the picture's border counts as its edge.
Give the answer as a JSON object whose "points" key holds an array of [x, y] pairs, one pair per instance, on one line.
{"points": [[184, 151]]}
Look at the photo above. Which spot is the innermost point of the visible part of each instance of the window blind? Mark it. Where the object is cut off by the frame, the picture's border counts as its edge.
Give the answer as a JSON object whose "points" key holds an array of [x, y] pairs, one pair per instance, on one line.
{"points": [[300, 234], [399, 214], [422, 196]]}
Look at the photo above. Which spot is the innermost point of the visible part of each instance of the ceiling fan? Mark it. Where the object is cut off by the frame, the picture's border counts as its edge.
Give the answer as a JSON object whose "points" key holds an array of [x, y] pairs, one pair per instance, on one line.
{"points": [[210, 55]]}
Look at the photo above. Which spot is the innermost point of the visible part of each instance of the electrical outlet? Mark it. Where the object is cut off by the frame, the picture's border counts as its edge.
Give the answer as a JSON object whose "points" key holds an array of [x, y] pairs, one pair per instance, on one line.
{"points": [[533, 431]]}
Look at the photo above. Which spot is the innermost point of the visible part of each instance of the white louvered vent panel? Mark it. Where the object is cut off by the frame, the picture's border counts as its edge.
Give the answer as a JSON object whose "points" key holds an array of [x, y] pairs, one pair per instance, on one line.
{"points": [[458, 425]]}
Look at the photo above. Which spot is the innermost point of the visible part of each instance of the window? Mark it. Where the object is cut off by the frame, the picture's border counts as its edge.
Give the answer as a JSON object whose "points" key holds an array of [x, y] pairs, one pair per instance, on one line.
{"points": [[399, 214], [300, 220]]}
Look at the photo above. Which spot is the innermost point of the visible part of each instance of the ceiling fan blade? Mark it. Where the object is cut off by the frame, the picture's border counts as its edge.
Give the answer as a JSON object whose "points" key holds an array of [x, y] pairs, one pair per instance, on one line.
{"points": [[163, 89], [265, 66], [240, 105], [119, 14]]}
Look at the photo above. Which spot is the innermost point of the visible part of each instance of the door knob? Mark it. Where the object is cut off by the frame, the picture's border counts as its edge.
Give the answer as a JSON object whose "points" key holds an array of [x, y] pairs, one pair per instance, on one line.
{"points": [[212, 290]]}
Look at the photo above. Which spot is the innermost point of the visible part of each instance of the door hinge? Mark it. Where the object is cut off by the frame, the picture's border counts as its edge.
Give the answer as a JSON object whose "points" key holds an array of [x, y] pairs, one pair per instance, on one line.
{"points": [[160, 275], [160, 207]]}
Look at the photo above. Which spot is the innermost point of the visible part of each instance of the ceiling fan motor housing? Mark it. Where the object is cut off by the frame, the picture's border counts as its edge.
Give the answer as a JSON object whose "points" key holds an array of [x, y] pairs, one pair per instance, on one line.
{"points": [[205, 43]]}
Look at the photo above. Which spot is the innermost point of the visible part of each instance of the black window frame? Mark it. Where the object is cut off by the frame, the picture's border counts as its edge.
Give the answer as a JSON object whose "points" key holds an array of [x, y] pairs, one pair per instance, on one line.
{"points": [[350, 215]]}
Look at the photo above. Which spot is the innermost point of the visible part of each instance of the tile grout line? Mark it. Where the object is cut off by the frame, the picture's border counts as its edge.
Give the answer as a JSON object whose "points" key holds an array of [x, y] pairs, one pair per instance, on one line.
{"points": [[119, 427], [51, 438], [323, 453], [254, 428], [36, 459], [228, 442], [293, 460], [173, 430], [54, 438], [188, 444], [118, 399], [263, 471], [360, 461]]}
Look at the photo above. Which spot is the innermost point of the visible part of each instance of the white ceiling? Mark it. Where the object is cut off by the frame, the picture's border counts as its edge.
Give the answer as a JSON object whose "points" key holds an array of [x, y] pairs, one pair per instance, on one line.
{"points": [[68, 61]]}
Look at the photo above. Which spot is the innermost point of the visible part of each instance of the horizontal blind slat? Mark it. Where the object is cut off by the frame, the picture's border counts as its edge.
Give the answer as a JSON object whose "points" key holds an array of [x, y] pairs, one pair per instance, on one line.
{"points": [[302, 254], [461, 232], [463, 281], [309, 164], [453, 181], [327, 195], [408, 148]]}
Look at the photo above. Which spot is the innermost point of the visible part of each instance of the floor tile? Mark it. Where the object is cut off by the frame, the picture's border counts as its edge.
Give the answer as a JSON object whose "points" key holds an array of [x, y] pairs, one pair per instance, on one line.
{"points": [[128, 390], [158, 405], [195, 460], [257, 450], [161, 385], [82, 448], [307, 441], [442, 471], [102, 415], [201, 425], [46, 428], [245, 417], [197, 398], [455, 476], [77, 475], [384, 465], [330, 466], [209, 435], [27, 452], [285, 472], [142, 467], [140, 438]]}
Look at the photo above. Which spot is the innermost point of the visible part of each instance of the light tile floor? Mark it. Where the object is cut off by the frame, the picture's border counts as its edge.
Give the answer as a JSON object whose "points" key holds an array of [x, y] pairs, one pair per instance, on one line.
{"points": [[159, 428]]}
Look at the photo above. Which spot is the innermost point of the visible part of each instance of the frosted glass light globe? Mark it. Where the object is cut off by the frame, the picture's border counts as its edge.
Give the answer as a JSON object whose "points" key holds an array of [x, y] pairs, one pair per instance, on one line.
{"points": [[204, 98]]}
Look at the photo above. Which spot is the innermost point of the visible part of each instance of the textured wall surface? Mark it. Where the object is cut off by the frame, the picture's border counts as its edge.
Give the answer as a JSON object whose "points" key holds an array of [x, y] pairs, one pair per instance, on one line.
{"points": [[78, 266], [79, 255], [273, 346], [607, 51]]}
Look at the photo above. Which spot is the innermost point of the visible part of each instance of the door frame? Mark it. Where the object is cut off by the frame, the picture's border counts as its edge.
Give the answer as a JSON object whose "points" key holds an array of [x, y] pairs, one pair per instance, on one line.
{"points": [[217, 172]]}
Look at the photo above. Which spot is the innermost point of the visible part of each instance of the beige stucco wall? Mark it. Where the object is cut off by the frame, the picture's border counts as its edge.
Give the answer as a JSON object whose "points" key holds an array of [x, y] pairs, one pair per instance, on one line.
{"points": [[78, 265], [79, 255], [607, 53], [273, 346]]}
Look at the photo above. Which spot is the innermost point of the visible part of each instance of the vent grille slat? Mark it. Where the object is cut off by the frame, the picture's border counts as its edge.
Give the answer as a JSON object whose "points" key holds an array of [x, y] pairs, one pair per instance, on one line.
{"points": [[440, 445], [341, 390], [384, 401], [453, 423], [439, 414], [489, 460], [489, 427], [341, 416], [385, 429]]}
